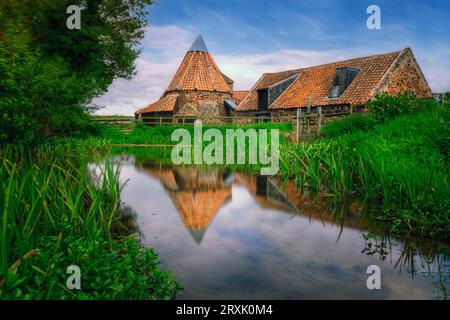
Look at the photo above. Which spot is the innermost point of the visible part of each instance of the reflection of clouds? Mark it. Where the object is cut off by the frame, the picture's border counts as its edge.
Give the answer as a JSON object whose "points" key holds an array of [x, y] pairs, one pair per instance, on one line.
{"points": [[251, 252]]}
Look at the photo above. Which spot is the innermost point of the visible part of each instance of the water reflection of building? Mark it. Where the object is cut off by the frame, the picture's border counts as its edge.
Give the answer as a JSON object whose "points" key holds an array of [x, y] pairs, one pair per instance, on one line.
{"points": [[267, 192], [197, 194]]}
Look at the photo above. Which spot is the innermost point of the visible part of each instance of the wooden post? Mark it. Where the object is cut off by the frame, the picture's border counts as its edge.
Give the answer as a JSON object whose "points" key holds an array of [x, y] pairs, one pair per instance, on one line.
{"points": [[351, 109], [319, 120], [299, 123], [308, 107], [160, 121]]}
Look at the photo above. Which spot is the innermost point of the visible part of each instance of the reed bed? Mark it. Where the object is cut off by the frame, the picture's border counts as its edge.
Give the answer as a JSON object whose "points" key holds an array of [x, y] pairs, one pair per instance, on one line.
{"points": [[55, 213], [400, 166]]}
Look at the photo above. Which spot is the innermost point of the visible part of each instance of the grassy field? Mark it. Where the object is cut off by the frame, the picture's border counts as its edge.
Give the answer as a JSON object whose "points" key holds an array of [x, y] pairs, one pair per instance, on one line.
{"points": [[55, 212], [161, 135]]}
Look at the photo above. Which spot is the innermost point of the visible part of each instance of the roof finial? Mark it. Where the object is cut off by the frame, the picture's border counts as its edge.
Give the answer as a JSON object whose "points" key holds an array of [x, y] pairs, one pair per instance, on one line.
{"points": [[199, 45]]}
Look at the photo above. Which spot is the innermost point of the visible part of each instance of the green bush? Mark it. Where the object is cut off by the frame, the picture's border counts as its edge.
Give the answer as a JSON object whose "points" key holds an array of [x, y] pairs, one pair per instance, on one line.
{"points": [[349, 124], [118, 271], [49, 75], [386, 107], [446, 99]]}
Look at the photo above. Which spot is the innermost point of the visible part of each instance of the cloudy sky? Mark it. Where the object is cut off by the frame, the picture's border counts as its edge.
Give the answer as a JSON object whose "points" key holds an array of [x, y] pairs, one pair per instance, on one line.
{"points": [[250, 37]]}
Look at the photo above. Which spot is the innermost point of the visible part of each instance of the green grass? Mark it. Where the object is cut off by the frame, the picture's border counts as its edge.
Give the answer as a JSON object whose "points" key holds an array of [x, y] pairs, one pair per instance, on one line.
{"points": [[349, 124], [159, 135], [54, 212], [400, 167], [114, 117]]}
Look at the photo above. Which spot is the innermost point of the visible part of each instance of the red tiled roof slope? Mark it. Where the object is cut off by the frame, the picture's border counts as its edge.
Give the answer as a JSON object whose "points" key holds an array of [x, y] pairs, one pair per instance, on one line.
{"points": [[251, 100], [198, 71], [164, 104], [314, 83], [240, 95]]}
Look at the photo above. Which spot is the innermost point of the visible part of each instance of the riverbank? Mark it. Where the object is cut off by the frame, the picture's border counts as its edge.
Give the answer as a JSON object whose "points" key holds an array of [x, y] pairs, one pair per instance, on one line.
{"points": [[56, 213], [399, 168]]}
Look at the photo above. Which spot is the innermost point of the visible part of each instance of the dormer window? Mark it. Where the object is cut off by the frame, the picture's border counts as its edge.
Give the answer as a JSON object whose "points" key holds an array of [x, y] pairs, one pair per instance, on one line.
{"points": [[277, 89], [342, 80]]}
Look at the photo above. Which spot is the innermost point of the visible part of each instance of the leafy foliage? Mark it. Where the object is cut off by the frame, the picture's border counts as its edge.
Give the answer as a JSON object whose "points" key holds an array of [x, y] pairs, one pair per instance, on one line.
{"points": [[386, 107], [50, 74], [66, 215]]}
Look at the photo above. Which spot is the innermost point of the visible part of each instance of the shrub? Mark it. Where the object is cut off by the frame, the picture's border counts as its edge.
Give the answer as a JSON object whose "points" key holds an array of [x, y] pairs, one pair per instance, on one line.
{"points": [[110, 270], [349, 124], [386, 107]]}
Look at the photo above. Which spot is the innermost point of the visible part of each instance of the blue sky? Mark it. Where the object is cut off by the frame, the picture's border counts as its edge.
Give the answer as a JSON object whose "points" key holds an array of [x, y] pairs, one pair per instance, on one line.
{"points": [[247, 38]]}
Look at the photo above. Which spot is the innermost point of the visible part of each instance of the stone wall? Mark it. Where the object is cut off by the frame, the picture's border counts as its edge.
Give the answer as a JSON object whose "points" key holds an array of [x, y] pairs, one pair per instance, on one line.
{"points": [[329, 113], [406, 75], [201, 104]]}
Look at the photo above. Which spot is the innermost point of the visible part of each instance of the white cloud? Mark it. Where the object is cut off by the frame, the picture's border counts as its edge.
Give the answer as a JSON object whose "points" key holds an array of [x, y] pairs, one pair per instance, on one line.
{"points": [[165, 47], [436, 66]]}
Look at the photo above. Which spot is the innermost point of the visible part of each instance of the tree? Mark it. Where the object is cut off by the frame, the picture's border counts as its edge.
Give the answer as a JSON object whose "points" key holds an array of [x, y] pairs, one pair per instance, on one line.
{"points": [[50, 74]]}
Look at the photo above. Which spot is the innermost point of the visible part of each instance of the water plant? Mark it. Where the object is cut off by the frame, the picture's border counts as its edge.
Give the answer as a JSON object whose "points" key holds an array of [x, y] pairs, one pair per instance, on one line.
{"points": [[54, 213], [401, 166]]}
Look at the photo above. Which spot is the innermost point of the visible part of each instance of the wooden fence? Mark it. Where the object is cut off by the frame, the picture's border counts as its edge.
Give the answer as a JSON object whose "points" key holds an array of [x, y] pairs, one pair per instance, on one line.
{"points": [[306, 124]]}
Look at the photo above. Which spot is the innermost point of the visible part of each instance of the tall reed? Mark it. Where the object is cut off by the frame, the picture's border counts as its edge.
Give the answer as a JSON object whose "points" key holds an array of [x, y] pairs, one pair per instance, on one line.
{"points": [[401, 166], [49, 202]]}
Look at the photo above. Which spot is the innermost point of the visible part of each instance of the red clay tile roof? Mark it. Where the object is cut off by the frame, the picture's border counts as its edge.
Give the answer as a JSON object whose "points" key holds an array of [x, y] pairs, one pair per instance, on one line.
{"points": [[198, 71], [239, 95], [251, 100], [315, 82], [163, 104]]}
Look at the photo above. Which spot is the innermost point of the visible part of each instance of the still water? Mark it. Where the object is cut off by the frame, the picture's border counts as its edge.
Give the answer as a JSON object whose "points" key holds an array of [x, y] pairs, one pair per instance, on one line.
{"points": [[229, 235]]}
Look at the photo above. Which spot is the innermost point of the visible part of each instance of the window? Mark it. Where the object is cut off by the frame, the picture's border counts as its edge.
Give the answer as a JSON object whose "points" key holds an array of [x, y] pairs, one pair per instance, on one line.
{"points": [[342, 80], [277, 89]]}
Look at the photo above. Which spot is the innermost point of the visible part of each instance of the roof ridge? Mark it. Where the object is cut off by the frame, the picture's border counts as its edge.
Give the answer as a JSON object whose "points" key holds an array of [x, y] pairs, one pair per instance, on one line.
{"points": [[208, 65], [216, 67], [338, 61], [389, 70]]}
